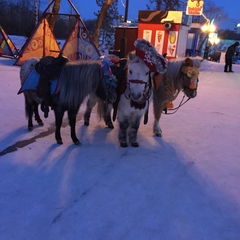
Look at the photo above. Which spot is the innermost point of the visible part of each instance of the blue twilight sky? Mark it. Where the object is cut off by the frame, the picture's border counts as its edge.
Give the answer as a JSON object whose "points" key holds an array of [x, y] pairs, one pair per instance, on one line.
{"points": [[87, 8]]}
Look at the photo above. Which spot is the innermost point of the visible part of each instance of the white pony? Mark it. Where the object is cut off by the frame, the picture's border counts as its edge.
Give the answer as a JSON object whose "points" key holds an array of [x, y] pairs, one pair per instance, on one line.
{"points": [[134, 101]]}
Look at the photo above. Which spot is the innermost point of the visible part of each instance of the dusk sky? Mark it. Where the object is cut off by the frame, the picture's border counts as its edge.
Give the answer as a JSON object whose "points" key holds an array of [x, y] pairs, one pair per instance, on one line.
{"points": [[231, 7]]}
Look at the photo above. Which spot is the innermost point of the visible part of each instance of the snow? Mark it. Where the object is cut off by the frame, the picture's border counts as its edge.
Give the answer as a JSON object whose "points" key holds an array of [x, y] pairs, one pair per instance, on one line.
{"points": [[182, 186]]}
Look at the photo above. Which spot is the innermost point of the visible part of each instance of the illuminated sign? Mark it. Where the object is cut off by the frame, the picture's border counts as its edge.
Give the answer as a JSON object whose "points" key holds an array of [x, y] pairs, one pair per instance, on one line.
{"points": [[194, 7]]}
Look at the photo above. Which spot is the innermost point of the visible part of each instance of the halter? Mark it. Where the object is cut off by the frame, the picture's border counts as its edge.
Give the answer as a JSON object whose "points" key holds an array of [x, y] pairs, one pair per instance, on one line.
{"points": [[192, 73], [146, 93]]}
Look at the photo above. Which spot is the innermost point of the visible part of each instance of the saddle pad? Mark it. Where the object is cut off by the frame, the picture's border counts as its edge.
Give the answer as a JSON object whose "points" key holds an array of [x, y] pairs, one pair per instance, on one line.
{"points": [[31, 83]]}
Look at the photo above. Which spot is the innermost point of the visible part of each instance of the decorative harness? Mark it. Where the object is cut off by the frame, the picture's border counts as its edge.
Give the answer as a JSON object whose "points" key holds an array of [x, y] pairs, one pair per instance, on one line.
{"points": [[110, 82], [146, 95]]}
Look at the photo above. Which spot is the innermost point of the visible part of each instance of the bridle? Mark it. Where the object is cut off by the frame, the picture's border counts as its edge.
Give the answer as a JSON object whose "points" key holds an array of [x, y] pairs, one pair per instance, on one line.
{"points": [[192, 74], [146, 93]]}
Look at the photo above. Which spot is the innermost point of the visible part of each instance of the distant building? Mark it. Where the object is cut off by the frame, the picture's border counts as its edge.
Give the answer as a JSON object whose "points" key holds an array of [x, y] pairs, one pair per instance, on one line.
{"points": [[237, 28]]}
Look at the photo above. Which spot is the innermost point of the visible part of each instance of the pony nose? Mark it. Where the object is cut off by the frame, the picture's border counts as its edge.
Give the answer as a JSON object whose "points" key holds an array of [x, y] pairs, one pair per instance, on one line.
{"points": [[193, 94], [136, 96]]}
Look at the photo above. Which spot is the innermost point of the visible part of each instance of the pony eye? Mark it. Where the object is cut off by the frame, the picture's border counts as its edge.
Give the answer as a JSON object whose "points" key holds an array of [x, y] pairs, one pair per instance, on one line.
{"points": [[130, 71], [146, 73]]}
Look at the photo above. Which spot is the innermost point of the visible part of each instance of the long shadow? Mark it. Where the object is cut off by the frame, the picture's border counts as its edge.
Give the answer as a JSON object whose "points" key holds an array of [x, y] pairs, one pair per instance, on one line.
{"points": [[162, 183], [159, 191], [23, 143]]}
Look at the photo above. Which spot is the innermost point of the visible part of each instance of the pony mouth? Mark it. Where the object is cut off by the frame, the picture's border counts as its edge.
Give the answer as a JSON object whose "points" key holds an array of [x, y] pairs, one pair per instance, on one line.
{"points": [[137, 97], [192, 94]]}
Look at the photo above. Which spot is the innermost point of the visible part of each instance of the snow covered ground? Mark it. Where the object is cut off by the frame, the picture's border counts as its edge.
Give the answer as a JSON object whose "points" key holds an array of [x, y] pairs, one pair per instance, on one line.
{"points": [[183, 186]]}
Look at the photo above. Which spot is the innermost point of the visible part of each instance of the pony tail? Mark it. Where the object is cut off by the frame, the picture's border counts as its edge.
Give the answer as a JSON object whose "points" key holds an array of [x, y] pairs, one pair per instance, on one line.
{"points": [[100, 109]]}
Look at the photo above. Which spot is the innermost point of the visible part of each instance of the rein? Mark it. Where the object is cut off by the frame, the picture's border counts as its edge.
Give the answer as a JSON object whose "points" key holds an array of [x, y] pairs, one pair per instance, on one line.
{"points": [[174, 110]]}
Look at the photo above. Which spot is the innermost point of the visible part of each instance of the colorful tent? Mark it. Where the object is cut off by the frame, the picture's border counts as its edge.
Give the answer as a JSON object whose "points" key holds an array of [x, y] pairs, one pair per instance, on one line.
{"points": [[7, 48], [79, 44], [41, 43]]}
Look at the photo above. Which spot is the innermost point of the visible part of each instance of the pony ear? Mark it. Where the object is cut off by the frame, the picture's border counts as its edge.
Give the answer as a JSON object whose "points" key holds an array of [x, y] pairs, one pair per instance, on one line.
{"points": [[188, 62], [131, 56]]}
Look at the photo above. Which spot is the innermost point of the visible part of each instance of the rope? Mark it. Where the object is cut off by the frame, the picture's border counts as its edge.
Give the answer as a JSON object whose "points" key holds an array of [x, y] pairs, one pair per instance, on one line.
{"points": [[176, 109]]}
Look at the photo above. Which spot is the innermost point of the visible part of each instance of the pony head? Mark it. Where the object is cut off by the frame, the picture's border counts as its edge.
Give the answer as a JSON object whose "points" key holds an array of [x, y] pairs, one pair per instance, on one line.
{"points": [[138, 79], [190, 74]]}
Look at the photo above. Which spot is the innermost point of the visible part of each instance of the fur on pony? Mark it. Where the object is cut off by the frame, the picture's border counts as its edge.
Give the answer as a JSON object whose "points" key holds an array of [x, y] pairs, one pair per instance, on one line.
{"points": [[76, 81], [182, 76]]}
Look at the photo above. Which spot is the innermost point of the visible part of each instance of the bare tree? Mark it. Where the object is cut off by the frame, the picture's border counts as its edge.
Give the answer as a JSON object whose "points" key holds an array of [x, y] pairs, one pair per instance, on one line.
{"points": [[53, 17], [212, 11], [105, 6]]}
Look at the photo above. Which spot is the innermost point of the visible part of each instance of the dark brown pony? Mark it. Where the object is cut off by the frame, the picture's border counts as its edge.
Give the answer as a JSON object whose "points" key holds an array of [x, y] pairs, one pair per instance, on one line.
{"points": [[75, 82]]}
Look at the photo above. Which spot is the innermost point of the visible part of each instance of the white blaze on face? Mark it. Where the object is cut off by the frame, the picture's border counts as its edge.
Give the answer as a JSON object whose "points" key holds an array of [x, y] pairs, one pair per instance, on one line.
{"points": [[138, 79]]}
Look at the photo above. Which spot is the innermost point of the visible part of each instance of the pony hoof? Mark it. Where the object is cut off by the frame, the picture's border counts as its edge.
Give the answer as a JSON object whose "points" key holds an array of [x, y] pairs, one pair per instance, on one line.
{"points": [[30, 128], [40, 123], [86, 123], [59, 142], [123, 144], [135, 144], [77, 143], [110, 126]]}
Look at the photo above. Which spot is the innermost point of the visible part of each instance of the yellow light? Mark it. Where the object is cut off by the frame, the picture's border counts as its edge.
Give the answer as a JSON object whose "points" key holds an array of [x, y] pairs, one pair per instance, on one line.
{"points": [[210, 28], [204, 28]]}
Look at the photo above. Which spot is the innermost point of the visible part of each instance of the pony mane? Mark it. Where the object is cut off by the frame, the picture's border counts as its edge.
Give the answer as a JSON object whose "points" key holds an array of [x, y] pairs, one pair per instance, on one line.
{"points": [[77, 80], [174, 66]]}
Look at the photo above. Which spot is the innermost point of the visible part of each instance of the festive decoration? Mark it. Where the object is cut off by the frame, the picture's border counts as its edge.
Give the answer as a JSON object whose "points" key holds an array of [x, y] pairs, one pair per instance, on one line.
{"points": [[149, 55], [32, 81], [191, 72]]}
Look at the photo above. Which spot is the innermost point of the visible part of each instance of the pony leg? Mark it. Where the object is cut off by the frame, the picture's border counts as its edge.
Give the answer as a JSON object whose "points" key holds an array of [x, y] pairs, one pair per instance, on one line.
{"points": [[90, 105], [29, 114], [134, 126], [59, 112], [157, 131], [156, 128], [29, 110], [107, 116], [72, 115], [157, 110], [36, 113], [122, 134]]}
